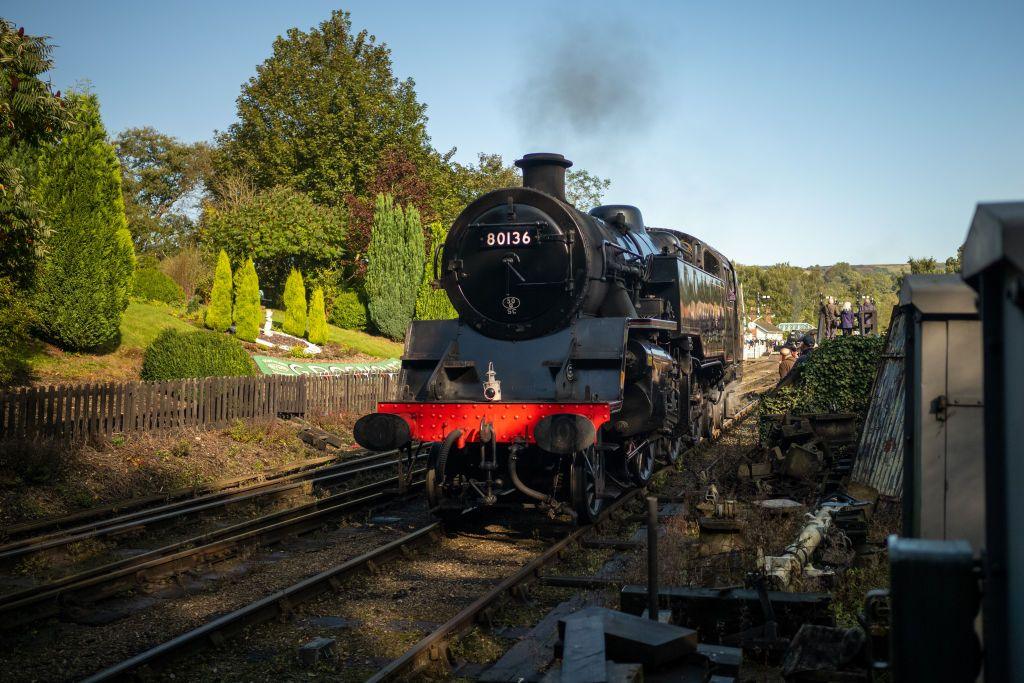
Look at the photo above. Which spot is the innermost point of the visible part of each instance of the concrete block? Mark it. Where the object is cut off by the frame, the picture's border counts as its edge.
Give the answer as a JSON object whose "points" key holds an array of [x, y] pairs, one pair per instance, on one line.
{"points": [[583, 653], [317, 650], [629, 638]]}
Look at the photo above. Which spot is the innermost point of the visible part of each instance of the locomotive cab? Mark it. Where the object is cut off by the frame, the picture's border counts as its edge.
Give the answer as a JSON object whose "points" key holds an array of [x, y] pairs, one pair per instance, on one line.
{"points": [[586, 347]]}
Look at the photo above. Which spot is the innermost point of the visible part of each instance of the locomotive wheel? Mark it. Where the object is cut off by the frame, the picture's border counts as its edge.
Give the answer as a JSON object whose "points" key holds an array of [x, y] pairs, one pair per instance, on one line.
{"points": [[673, 448], [640, 465], [586, 484]]}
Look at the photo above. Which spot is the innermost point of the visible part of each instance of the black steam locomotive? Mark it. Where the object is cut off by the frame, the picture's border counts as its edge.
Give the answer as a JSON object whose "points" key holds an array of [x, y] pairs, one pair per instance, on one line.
{"points": [[587, 347]]}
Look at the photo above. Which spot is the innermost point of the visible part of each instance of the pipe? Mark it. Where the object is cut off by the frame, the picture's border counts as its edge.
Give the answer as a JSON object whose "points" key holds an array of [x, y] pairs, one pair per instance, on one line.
{"points": [[798, 554], [520, 486]]}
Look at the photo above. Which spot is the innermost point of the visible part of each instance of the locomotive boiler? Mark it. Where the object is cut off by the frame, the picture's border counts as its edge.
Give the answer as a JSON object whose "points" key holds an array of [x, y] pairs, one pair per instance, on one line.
{"points": [[587, 347]]}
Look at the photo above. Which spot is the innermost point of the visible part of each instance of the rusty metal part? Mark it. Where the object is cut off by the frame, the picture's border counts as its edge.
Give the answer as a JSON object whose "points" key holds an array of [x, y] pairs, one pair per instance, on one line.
{"points": [[29, 605], [281, 602]]}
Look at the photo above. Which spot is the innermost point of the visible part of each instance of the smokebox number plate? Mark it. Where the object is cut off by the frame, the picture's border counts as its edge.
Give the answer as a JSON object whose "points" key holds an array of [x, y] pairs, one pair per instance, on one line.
{"points": [[508, 237]]}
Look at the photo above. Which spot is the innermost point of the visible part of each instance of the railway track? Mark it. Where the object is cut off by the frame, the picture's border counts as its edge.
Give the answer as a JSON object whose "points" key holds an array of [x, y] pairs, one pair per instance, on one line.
{"points": [[70, 595], [131, 524], [332, 585]]}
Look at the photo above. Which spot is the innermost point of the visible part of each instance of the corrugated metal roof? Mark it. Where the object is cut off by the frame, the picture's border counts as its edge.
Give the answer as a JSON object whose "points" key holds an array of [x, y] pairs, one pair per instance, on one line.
{"points": [[879, 461]]}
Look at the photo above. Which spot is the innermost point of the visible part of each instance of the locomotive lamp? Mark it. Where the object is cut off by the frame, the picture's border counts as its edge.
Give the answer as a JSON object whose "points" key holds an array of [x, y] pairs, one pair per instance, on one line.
{"points": [[492, 387]]}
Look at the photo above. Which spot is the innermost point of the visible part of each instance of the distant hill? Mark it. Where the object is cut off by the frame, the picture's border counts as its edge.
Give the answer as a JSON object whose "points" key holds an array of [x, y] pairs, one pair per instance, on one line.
{"points": [[872, 268]]}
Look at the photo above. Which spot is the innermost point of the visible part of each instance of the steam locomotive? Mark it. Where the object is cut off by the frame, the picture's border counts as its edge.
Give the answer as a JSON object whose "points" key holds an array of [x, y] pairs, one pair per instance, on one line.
{"points": [[588, 346]]}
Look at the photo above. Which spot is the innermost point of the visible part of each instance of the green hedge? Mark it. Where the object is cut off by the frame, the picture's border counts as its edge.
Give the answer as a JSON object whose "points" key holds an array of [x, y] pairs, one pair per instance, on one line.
{"points": [[153, 285], [349, 311], [837, 378], [177, 355]]}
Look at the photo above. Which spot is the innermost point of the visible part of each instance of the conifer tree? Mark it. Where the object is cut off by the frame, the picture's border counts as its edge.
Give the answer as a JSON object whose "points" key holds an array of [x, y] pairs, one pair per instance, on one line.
{"points": [[433, 304], [218, 315], [317, 317], [86, 276], [294, 305], [396, 257], [247, 302]]}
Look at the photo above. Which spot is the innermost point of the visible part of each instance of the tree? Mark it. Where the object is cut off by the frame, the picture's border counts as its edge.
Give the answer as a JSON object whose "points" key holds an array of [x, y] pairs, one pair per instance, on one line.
{"points": [[163, 179], [923, 265], [31, 115], [321, 111], [295, 305], [247, 302], [317, 317], [396, 257], [86, 276], [279, 229], [584, 189], [218, 314], [433, 304]]}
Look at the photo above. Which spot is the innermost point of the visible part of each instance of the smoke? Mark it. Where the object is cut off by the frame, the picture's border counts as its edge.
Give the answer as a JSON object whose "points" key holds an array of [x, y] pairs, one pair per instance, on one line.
{"points": [[589, 81]]}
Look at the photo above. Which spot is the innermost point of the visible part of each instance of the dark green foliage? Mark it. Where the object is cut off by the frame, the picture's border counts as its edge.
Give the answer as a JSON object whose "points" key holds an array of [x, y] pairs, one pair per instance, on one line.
{"points": [[279, 229], [836, 378], [30, 116], [324, 134], [218, 314], [247, 302], [176, 355], [793, 293], [295, 305], [16, 318], [86, 276], [160, 176], [433, 304], [154, 285], [349, 311], [317, 317], [395, 268]]}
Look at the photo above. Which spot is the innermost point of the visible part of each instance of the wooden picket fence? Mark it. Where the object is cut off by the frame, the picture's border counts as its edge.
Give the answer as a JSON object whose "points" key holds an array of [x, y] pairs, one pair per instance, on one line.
{"points": [[76, 412]]}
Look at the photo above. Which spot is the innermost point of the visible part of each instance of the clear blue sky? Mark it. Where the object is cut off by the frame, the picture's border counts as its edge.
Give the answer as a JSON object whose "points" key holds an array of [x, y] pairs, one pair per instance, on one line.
{"points": [[810, 132]]}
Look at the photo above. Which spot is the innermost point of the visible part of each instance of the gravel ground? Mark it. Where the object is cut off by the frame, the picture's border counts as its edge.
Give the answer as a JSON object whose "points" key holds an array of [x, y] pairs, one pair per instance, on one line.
{"points": [[65, 651], [376, 618]]}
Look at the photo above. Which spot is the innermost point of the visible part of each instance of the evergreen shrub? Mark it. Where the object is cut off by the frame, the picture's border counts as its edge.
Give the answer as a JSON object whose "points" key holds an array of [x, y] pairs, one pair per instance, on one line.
{"points": [[218, 314], [349, 310], [395, 269], [86, 275], [433, 304], [317, 318], [247, 302], [178, 355], [154, 285], [294, 305]]}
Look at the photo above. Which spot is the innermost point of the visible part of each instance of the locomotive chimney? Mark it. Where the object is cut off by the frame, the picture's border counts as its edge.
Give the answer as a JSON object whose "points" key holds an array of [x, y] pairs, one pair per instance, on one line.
{"points": [[545, 171]]}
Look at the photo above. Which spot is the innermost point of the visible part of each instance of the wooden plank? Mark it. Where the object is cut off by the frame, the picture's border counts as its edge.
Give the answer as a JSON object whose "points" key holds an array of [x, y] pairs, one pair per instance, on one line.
{"points": [[583, 654]]}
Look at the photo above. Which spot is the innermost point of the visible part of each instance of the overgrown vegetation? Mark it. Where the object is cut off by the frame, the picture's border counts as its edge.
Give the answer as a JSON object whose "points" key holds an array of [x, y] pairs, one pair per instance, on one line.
{"points": [[178, 355], [836, 378]]}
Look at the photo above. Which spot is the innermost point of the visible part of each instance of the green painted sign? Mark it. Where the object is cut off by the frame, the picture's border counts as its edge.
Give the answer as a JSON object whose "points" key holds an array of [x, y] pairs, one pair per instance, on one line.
{"points": [[269, 365]]}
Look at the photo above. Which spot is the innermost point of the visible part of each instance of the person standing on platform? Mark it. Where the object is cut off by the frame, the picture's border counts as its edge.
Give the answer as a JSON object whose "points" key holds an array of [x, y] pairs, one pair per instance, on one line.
{"points": [[869, 313], [847, 319]]}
